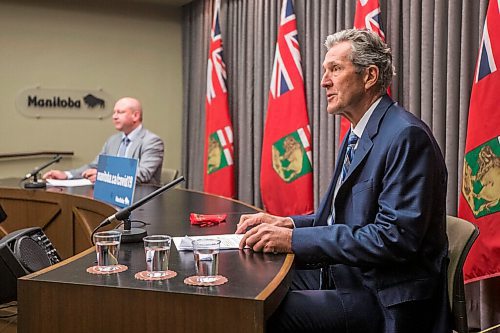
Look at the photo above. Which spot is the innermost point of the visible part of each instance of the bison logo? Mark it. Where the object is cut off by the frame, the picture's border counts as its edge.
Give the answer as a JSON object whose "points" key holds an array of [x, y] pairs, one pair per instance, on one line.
{"points": [[481, 178], [219, 151], [93, 101], [290, 160]]}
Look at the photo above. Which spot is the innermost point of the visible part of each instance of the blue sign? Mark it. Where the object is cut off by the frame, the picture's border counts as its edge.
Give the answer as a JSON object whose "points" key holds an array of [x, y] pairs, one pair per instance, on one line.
{"points": [[115, 181]]}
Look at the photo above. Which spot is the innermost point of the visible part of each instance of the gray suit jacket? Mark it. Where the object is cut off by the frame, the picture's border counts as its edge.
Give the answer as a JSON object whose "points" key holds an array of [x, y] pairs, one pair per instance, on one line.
{"points": [[147, 148]]}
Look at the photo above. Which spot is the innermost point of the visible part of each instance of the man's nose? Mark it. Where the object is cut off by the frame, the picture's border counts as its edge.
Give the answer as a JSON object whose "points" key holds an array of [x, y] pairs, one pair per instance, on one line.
{"points": [[325, 81]]}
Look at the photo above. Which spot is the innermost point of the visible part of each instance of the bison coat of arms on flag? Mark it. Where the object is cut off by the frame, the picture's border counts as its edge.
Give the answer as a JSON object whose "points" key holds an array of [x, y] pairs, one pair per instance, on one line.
{"points": [[481, 178], [290, 158], [218, 156]]}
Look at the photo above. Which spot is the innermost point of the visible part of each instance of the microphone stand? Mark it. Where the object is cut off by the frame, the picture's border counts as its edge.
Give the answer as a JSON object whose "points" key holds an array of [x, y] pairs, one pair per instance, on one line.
{"points": [[35, 183], [129, 234]]}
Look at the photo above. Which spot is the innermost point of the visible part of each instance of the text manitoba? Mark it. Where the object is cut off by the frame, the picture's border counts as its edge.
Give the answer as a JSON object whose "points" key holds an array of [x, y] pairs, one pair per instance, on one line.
{"points": [[54, 102], [125, 181]]}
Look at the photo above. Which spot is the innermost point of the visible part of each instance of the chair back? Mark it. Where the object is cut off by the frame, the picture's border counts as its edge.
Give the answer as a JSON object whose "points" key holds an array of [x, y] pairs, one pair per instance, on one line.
{"points": [[167, 175], [461, 235]]}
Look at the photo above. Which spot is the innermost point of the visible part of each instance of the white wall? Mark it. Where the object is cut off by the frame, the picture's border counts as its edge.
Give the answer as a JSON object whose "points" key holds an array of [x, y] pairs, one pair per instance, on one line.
{"points": [[127, 49]]}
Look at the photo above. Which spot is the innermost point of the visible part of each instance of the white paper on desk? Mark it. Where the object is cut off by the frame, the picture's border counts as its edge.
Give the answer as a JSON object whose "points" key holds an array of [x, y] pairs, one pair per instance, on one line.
{"points": [[69, 182], [227, 241]]}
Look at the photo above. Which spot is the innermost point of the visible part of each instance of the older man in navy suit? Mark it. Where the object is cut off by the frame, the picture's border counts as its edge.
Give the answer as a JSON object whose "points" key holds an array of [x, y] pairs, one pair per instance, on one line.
{"points": [[379, 235]]}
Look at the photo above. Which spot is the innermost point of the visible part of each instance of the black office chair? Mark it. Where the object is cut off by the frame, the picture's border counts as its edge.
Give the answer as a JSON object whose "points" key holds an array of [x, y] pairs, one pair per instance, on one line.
{"points": [[461, 236]]}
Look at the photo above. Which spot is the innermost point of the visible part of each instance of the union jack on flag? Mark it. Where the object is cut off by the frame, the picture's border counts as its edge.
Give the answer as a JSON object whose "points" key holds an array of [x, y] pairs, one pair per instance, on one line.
{"points": [[486, 62], [216, 69], [281, 82], [368, 17]]}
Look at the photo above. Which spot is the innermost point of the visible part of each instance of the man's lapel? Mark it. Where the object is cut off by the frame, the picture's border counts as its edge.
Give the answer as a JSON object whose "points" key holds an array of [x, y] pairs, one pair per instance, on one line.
{"points": [[134, 145], [326, 206], [114, 144], [365, 143]]}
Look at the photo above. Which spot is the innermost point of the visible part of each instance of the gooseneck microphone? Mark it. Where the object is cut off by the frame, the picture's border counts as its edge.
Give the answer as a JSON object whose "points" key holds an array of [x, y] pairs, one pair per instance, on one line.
{"points": [[129, 234], [35, 183]]}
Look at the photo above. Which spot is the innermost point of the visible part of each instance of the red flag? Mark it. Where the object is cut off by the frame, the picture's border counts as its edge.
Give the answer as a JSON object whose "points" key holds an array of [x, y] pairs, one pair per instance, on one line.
{"points": [[286, 170], [219, 169], [480, 198], [367, 16]]}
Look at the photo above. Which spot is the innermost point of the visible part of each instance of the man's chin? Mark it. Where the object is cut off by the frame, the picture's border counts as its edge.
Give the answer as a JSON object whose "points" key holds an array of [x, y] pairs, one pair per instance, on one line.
{"points": [[334, 111]]}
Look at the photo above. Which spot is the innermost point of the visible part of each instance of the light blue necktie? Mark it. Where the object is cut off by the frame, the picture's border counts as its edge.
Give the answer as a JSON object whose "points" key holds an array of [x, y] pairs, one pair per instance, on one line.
{"points": [[349, 154], [123, 147]]}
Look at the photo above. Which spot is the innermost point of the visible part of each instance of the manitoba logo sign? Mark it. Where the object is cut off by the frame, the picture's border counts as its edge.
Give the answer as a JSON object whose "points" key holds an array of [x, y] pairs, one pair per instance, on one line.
{"points": [[64, 103]]}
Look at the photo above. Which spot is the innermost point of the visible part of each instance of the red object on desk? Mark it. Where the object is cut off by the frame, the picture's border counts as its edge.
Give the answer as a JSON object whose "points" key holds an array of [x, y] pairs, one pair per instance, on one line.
{"points": [[207, 220]]}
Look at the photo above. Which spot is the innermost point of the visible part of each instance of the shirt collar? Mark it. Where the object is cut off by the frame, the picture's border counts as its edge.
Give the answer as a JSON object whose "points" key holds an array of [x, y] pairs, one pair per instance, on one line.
{"points": [[135, 132], [360, 127]]}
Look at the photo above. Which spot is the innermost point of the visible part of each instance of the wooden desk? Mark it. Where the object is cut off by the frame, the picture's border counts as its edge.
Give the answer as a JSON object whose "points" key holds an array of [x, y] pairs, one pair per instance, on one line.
{"points": [[67, 220], [64, 298]]}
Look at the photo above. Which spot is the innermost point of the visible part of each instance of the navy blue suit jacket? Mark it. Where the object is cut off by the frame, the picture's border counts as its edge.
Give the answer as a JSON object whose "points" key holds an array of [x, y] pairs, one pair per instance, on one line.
{"points": [[389, 233]]}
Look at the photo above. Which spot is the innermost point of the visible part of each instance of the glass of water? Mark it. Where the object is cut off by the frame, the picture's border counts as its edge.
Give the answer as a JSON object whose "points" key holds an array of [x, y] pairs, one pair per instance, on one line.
{"points": [[206, 259], [157, 249], [107, 247]]}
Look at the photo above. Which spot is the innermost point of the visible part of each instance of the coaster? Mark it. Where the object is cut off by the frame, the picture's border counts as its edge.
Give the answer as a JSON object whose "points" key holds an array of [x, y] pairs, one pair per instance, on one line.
{"points": [[144, 276], [94, 270], [192, 281]]}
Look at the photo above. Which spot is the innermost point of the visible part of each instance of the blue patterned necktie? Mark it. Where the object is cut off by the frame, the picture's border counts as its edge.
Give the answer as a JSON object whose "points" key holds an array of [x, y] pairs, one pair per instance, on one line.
{"points": [[349, 154], [351, 143], [123, 147]]}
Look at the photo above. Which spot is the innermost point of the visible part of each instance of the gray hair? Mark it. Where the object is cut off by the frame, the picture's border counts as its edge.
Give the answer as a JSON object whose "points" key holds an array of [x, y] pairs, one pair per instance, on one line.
{"points": [[367, 49]]}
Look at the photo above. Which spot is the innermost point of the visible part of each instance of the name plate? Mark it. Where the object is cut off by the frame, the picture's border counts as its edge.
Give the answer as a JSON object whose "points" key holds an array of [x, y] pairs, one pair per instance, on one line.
{"points": [[115, 182]]}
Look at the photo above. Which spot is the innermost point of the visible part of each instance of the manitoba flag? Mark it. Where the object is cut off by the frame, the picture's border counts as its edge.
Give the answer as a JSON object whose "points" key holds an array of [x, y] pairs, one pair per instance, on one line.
{"points": [[219, 169], [480, 194], [367, 16], [286, 171]]}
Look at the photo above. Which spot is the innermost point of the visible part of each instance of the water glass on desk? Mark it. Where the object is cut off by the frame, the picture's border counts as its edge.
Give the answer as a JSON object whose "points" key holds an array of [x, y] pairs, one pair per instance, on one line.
{"points": [[206, 259], [157, 249], [107, 246]]}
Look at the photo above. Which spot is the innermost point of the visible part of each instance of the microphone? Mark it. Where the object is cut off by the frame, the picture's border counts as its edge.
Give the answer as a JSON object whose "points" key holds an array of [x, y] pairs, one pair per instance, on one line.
{"points": [[34, 174], [129, 234]]}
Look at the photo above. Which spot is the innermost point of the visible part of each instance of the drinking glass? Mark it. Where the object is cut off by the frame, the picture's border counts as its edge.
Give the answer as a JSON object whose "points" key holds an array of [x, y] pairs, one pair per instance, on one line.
{"points": [[206, 259], [157, 249], [107, 247]]}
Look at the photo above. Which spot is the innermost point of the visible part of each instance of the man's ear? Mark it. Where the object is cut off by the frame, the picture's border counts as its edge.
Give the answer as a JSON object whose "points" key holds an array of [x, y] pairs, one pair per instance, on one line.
{"points": [[371, 76], [136, 115]]}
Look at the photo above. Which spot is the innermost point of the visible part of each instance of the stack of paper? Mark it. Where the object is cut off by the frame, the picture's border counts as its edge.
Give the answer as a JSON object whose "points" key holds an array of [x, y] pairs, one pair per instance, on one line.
{"points": [[227, 241], [69, 182]]}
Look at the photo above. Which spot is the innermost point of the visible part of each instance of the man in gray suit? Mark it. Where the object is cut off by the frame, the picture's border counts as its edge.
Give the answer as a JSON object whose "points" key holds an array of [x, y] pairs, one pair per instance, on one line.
{"points": [[134, 141]]}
